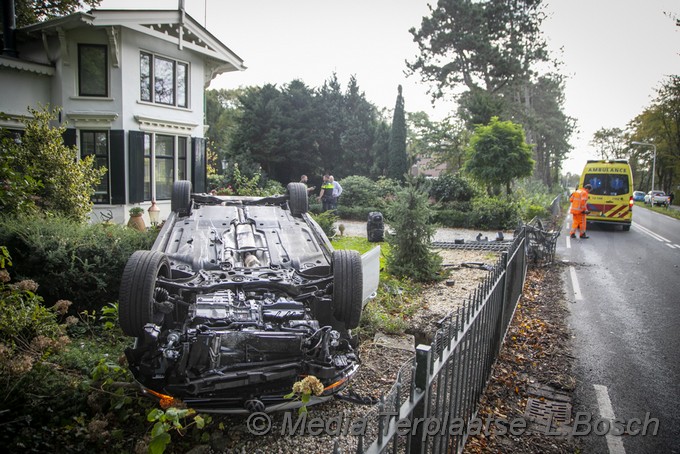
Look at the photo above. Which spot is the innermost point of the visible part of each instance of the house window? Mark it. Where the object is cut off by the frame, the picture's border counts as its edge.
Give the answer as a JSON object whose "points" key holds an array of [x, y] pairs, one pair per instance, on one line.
{"points": [[96, 144], [163, 80], [93, 72], [165, 160]]}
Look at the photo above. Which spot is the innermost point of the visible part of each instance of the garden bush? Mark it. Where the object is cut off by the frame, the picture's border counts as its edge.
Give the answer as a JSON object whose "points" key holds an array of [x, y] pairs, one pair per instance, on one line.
{"points": [[359, 191], [355, 213], [79, 262], [239, 182], [361, 195], [450, 187], [40, 173], [494, 213], [447, 217], [326, 221], [534, 199]]}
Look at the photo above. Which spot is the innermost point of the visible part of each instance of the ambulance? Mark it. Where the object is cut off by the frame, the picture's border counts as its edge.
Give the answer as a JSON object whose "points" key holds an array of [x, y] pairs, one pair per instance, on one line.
{"points": [[611, 199]]}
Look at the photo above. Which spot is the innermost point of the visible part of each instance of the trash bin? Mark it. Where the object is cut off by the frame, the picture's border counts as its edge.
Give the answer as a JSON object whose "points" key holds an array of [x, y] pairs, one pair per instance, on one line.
{"points": [[375, 227]]}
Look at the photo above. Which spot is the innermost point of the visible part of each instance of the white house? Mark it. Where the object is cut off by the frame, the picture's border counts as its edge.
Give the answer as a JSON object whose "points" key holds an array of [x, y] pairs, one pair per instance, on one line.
{"points": [[131, 85]]}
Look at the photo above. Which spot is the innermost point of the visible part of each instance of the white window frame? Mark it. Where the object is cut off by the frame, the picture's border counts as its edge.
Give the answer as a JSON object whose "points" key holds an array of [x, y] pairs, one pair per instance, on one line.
{"points": [[152, 85], [150, 172]]}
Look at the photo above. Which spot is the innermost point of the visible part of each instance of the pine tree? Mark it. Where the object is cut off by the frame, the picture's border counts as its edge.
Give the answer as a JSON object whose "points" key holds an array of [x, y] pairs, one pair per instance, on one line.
{"points": [[410, 251], [398, 161]]}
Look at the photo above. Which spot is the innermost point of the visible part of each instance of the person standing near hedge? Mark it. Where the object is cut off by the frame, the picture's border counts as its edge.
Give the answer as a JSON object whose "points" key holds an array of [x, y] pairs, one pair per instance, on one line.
{"points": [[303, 180], [337, 191], [326, 194]]}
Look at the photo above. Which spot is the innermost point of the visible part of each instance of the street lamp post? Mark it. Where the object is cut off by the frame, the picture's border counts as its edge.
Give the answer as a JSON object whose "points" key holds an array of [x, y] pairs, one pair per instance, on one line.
{"points": [[646, 144]]}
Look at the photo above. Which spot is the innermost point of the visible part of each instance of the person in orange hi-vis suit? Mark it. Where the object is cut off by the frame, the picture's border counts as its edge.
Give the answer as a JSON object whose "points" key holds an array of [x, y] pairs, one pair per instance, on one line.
{"points": [[579, 210]]}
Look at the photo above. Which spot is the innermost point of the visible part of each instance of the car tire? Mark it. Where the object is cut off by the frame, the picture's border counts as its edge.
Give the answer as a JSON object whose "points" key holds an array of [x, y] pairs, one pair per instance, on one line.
{"points": [[626, 228], [181, 198], [136, 299], [298, 201], [347, 287]]}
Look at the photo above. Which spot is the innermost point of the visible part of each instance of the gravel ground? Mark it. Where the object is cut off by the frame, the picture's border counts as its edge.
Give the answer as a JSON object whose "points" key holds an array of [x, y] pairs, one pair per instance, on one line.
{"points": [[358, 228]]}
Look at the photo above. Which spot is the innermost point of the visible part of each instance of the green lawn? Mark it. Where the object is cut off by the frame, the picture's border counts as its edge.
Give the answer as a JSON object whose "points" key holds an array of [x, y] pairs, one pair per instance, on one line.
{"points": [[667, 211]]}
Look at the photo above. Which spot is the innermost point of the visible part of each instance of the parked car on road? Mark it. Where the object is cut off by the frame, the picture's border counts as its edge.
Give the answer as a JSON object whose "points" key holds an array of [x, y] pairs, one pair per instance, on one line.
{"points": [[656, 198], [638, 196], [239, 298]]}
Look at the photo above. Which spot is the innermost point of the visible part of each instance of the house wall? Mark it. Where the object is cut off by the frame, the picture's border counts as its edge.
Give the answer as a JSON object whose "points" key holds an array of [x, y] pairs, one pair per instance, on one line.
{"points": [[132, 42], [66, 85], [27, 89]]}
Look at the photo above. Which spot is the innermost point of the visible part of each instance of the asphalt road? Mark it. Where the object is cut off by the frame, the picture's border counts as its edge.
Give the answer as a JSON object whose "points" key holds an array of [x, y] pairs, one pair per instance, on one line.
{"points": [[625, 316]]}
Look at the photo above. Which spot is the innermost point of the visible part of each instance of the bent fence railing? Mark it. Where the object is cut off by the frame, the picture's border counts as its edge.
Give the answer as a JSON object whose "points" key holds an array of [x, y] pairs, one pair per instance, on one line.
{"points": [[438, 394]]}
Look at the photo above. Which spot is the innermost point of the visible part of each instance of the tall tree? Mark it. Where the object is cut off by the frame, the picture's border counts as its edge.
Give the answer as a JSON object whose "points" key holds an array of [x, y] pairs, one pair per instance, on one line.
{"points": [[298, 129], [482, 44], [255, 138], [31, 11], [398, 160], [499, 154], [380, 150], [222, 112], [660, 124], [331, 115], [443, 142], [610, 143], [357, 138], [539, 106]]}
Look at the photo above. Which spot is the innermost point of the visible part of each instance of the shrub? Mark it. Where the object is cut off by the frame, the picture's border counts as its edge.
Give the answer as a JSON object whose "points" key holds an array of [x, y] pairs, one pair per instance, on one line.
{"points": [[362, 195], [326, 221], [359, 191], [494, 213], [451, 218], [534, 198], [237, 182], [410, 253], [54, 179], [450, 187], [81, 262], [531, 211], [355, 213], [388, 188], [29, 331]]}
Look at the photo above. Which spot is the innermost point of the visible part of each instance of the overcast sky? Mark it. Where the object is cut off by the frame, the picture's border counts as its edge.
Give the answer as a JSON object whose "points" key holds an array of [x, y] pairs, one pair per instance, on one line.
{"points": [[615, 52]]}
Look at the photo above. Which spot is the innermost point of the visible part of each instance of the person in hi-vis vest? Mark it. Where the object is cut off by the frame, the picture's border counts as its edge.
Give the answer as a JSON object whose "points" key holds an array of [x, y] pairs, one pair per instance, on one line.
{"points": [[579, 210]]}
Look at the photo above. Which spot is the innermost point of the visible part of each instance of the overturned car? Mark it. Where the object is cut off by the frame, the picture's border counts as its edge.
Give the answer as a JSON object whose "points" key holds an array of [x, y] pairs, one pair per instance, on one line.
{"points": [[239, 298]]}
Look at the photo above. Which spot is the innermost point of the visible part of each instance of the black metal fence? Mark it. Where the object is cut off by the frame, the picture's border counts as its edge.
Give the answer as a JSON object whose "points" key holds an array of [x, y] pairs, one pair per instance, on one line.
{"points": [[436, 397]]}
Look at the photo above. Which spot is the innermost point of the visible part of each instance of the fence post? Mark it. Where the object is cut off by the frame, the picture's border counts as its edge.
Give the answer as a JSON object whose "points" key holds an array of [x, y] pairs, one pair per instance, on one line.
{"points": [[503, 302], [421, 410]]}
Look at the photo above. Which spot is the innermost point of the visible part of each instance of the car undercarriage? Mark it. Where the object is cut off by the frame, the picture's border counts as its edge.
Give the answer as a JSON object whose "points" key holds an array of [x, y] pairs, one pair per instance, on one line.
{"points": [[238, 299]]}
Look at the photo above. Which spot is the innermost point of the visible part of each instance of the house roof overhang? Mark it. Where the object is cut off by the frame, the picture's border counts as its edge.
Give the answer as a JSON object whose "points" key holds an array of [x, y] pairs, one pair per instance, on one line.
{"points": [[174, 26]]}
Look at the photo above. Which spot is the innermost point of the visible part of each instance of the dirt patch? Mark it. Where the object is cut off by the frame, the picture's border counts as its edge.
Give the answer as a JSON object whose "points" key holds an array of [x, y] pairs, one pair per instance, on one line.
{"points": [[467, 269]]}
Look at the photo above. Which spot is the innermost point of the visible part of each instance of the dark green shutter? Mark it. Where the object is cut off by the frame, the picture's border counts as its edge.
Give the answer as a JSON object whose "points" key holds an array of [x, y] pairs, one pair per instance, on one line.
{"points": [[198, 169], [136, 165], [117, 166], [69, 137]]}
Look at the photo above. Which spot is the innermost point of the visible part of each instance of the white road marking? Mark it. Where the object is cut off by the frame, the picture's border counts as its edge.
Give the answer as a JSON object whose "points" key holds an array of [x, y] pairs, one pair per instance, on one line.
{"points": [[574, 284], [656, 236], [614, 442], [673, 246], [567, 225]]}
